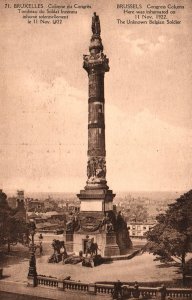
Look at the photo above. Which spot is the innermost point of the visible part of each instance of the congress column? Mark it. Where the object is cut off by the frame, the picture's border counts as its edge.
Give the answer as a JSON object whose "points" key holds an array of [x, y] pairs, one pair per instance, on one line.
{"points": [[96, 64], [96, 222]]}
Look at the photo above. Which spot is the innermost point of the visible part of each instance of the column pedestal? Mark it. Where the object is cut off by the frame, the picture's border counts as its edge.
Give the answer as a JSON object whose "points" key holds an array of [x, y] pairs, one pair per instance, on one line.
{"points": [[96, 205], [106, 246]]}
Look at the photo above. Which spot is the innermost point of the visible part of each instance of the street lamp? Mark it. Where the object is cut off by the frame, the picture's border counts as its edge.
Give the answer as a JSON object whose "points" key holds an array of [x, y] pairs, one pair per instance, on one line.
{"points": [[32, 274], [40, 243]]}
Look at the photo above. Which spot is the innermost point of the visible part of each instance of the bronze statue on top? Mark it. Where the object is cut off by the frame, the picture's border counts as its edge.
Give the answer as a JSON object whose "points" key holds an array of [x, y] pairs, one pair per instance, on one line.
{"points": [[96, 29]]}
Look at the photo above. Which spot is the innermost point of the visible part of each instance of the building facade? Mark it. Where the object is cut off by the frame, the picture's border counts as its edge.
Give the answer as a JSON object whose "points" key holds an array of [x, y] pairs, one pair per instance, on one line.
{"points": [[139, 229]]}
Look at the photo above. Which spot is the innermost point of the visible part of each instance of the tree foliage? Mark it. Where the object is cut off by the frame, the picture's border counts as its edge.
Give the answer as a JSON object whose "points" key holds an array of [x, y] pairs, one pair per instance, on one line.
{"points": [[136, 212], [172, 236], [12, 229]]}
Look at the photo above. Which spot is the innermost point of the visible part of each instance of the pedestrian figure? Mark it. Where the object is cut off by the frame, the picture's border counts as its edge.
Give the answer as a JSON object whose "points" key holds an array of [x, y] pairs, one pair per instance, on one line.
{"points": [[136, 291], [40, 236], [40, 249], [117, 294]]}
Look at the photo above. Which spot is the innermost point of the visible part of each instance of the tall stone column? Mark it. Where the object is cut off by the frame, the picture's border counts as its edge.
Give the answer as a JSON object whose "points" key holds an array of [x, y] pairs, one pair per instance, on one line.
{"points": [[96, 64]]}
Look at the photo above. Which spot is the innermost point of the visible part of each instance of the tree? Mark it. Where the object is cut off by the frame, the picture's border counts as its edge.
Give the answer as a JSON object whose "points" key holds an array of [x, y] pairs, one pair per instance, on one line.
{"points": [[12, 229], [137, 213], [4, 215], [171, 238]]}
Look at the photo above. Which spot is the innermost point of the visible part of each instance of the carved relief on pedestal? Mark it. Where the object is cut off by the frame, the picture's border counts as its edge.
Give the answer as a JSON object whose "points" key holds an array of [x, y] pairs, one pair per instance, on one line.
{"points": [[90, 223], [96, 168]]}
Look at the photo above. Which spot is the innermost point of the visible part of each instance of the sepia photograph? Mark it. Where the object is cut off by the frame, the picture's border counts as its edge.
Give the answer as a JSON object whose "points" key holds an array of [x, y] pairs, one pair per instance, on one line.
{"points": [[96, 150]]}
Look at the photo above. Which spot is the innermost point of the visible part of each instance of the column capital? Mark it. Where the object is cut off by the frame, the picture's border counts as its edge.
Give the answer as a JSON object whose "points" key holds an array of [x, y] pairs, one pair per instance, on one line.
{"points": [[96, 63]]}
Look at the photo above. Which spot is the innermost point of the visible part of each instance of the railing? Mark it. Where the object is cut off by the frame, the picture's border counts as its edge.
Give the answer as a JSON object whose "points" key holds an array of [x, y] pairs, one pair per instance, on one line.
{"points": [[47, 281], [148, 291], [176, 293], [75, 285], [108, 289], [104, 288]]}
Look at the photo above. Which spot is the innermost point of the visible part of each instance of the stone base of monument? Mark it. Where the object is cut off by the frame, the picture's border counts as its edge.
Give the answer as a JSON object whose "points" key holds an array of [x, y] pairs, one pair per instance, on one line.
{"points": [[111, 250], [96, 200], [69, 242], [69, 247], [98, 228], [106, 243], [111, 247], [31, 281]]}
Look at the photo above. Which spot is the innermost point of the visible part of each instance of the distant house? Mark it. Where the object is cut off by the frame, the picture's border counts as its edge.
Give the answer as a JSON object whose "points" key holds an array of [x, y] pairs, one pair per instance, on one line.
{"points": [[34, 204], [73, 207], [46, 227], [18, 205], [17, 201], [50, 204], [138, 229], [50, 221]]}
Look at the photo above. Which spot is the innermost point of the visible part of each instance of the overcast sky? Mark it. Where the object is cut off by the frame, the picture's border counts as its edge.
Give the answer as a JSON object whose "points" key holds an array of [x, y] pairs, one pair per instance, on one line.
{"points": [[44, 102]]}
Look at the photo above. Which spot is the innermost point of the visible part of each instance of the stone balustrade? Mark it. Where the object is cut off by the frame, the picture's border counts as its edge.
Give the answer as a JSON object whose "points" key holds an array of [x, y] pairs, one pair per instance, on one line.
{"points": [[75, 285], [146, 292], [104, 288], [47, 281], [179, 293], [129, 292]]}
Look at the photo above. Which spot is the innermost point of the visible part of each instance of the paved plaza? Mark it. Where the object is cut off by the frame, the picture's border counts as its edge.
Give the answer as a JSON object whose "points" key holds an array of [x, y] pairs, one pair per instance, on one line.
{"points": [[141, 268]]}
